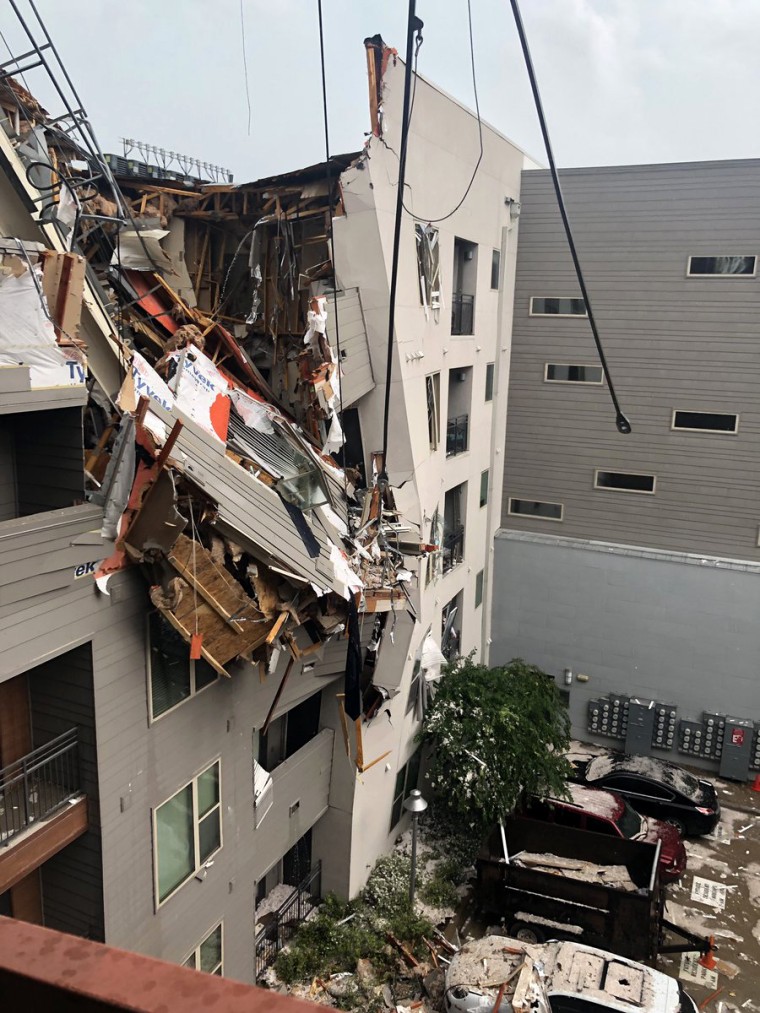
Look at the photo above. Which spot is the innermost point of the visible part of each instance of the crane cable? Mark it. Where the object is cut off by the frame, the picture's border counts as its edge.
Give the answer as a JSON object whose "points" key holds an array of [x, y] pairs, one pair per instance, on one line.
{"points": [[622, 423]]}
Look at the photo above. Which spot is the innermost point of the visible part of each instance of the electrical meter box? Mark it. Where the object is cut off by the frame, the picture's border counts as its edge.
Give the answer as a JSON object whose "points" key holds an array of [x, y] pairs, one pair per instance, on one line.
{"points": [[737, 749], [640, 730]]}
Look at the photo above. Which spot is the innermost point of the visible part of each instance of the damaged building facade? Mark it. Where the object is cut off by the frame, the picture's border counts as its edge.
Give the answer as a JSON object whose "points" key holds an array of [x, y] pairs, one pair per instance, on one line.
{"points": [[218, 628]]}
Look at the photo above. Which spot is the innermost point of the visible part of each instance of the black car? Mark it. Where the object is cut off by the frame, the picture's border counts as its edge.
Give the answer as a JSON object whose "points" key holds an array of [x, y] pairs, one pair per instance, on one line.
{"points": [[653, 787]]}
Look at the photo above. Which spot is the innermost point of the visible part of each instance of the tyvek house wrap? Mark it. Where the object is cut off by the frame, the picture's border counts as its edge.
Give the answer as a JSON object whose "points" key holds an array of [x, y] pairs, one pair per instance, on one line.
{"points": [[27, 337]]}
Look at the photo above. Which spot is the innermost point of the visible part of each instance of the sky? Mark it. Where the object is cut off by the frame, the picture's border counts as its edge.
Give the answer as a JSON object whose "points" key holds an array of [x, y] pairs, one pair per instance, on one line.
{"points": [[622, 81]]}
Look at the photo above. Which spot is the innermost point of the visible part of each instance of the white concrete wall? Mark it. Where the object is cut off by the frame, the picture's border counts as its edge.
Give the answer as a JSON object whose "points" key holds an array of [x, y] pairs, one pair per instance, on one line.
{"points": [[443, 148]]}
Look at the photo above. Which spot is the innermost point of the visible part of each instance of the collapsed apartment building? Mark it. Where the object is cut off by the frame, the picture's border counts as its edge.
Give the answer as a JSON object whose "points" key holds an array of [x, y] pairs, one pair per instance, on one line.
{"points": [[218, 628]]}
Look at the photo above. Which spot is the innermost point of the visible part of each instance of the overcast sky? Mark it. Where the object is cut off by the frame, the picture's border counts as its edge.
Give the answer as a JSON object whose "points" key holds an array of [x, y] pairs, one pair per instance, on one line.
{"points": [[622, 80]]}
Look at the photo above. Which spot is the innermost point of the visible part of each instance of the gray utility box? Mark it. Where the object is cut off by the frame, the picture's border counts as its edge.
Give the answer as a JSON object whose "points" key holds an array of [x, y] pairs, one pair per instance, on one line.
{"points": [[640, 731], [737, 749]]}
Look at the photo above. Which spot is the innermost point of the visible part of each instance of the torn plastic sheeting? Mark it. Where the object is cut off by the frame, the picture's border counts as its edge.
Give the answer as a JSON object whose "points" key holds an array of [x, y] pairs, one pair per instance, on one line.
{"points": [[118, 479], [255, 414], [140, 250], [346, 580], [201, 391], [431, 656], [27, 337], [263, 793]]}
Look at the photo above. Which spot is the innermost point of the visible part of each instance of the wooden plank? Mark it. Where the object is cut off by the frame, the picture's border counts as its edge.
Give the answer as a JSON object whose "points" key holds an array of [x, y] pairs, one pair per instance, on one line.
{"points": [[278, 694], [278, 624], [44, 840]]}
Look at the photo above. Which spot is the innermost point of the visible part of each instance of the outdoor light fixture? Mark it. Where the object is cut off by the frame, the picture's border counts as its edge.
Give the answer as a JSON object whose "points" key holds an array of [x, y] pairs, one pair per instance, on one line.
{"points": [[568, 676], [416, 805]]}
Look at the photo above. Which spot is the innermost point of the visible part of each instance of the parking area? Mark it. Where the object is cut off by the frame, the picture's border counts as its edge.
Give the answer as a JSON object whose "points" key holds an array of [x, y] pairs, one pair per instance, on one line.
{"points": [[720, 895]]}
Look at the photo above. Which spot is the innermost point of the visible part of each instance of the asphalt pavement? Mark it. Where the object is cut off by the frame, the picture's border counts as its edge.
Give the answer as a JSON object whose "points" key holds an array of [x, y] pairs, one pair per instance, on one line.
{"points": [[719, 895]]}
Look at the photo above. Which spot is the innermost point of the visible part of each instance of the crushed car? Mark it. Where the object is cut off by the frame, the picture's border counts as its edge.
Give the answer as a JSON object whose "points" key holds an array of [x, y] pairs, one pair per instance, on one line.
{"points": [[654, 787], [498, 974]]}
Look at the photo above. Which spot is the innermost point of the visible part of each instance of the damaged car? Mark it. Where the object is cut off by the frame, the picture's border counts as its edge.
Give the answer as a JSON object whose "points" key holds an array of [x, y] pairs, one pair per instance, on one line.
{"points": [[497, 974]]}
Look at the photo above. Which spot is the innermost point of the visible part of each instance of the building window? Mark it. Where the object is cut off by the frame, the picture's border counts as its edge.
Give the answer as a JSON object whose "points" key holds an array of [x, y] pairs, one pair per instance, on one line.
{"points": [[463, 297], [555, 372], [536, 508], [489, 381], [406, 779], [705, 422], [454, 507], [187, 831], [208, 957], [173, 677], [433, 397], [699, 267], [624, 481], [483, 487], [495, 268], [557, 306], [478, 589], [451, 627], [428, 266]]}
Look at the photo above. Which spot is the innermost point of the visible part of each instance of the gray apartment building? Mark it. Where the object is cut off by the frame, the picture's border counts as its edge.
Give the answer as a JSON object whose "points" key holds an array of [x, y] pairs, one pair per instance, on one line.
{"points": [[629, 566]]}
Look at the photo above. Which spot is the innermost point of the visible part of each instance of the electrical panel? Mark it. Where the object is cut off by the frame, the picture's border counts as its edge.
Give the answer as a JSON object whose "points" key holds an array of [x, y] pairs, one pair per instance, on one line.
{"points": [[755, 758], [640, 727], [608, 716], [703, 738], [737, 749], [664, 732]]}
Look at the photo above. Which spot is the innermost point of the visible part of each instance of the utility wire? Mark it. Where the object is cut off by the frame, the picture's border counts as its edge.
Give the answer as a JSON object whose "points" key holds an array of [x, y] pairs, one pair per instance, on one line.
{"points": [[331, 239], [622, 423], [414, 25], [442, 218], [245, 66]]}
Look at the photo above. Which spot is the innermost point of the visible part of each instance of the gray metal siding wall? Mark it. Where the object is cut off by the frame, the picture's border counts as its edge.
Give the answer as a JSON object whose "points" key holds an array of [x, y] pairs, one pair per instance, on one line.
{"points": [[61, 697], [658, 628], [47, 447], [672, 342]]}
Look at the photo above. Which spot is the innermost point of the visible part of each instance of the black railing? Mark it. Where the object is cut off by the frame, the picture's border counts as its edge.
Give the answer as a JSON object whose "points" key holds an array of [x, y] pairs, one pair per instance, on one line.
{"points": [[462, 313], [283, 922], [453, 548], [457, 433], [39, 783]]}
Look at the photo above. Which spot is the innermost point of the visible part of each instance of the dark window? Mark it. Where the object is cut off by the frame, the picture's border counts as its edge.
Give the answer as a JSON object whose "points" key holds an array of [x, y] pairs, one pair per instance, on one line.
{"points": [[711, 422], [557, 306], [173, 676], [722, 265], [489, 381], [534, 508], [483, 488], [406, 779], [479, 589], [433, 396], [624, 481], [561, 373], [495, 268]]}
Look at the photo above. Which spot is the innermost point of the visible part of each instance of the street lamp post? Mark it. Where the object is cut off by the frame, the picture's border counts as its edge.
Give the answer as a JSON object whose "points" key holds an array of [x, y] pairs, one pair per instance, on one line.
{"points": [[416, 805]]}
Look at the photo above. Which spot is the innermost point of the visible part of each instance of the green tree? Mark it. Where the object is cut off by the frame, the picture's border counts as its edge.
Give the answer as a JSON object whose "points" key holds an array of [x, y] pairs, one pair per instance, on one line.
{"points": [[495, 732]]}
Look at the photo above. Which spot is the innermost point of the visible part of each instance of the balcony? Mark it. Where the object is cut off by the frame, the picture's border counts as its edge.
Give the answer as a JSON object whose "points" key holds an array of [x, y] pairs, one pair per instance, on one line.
{"points": [[42, 808], [453, 548], [300, 793], [283, 922], [457, 435], [462, 313]]}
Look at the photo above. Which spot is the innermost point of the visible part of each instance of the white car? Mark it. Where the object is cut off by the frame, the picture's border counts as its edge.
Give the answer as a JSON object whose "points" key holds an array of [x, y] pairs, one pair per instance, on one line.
{"points": [[498, 974]]}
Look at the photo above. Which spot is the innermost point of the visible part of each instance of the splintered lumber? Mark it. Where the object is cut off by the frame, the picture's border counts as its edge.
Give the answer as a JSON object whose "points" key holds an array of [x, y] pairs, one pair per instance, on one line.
{"points": [[212, 603], [403, 950]]}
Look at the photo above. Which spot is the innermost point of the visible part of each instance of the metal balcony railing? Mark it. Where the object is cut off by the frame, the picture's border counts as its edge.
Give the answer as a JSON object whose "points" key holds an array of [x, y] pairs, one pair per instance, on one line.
{"points": [[453, 548], [462, 313], [457, 435], [285, 920], [33, 787]]}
